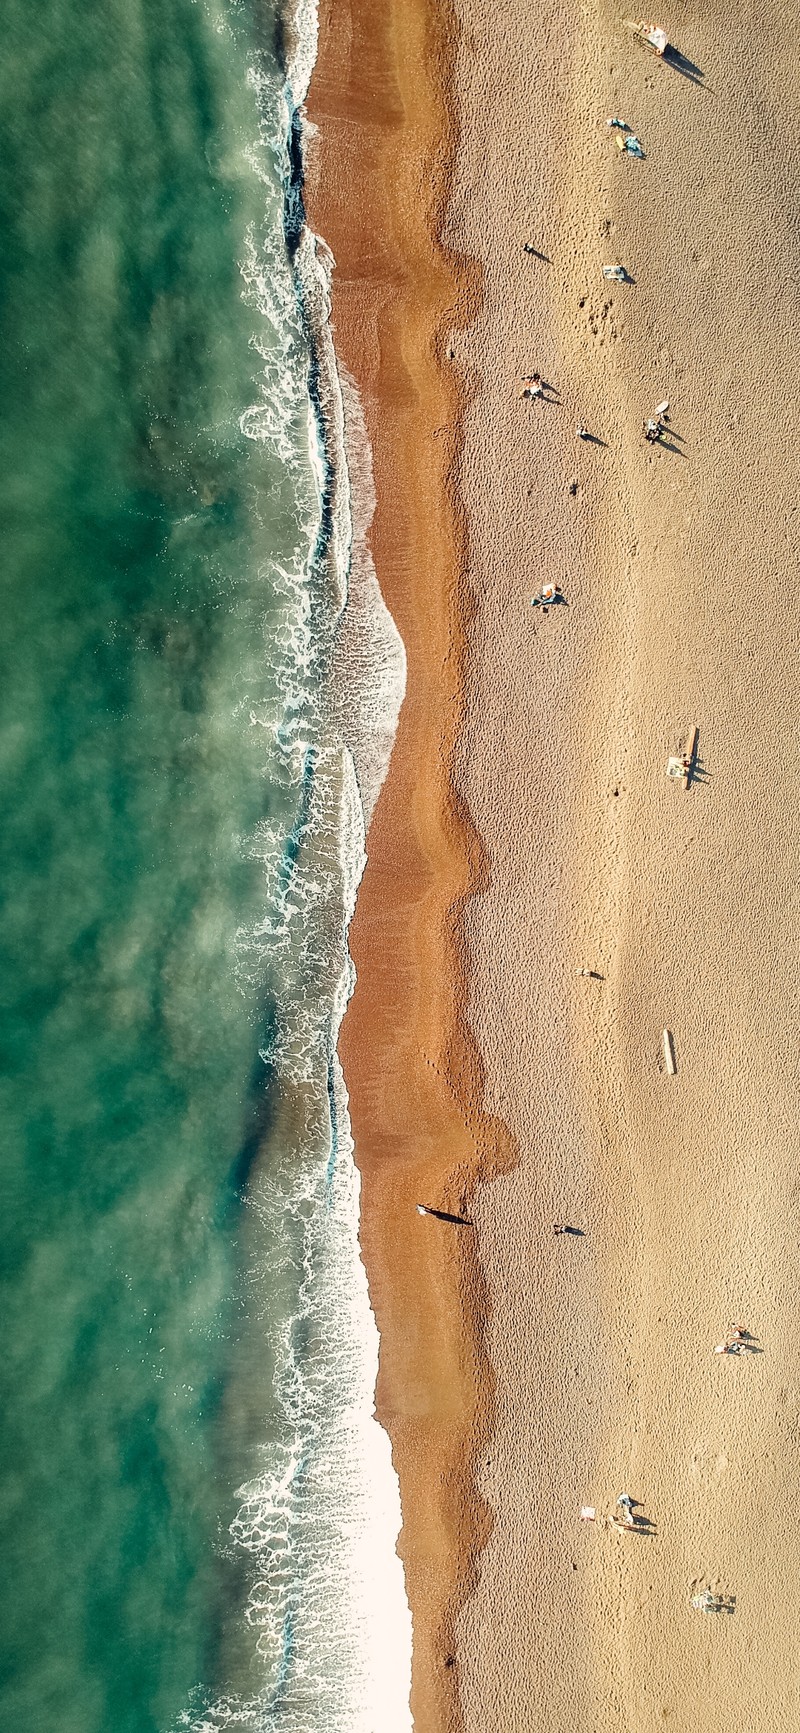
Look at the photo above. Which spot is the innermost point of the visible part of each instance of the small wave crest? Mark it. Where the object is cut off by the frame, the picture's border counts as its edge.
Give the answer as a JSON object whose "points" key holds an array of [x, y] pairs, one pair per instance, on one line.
{"points": [[315, 1526], [317, 1523]]}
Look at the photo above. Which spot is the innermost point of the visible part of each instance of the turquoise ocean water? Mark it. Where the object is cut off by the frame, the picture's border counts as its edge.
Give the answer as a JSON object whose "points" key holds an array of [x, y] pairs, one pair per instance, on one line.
{"points": [[198, 685]]}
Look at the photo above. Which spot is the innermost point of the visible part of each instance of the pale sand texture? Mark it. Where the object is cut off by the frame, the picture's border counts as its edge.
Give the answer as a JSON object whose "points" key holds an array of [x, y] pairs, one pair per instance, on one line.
{"points": [[680, 571]]}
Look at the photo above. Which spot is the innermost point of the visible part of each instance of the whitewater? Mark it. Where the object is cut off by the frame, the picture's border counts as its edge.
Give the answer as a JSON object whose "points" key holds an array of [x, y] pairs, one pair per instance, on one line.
{"points": [[199, 687], [318, 1524]]}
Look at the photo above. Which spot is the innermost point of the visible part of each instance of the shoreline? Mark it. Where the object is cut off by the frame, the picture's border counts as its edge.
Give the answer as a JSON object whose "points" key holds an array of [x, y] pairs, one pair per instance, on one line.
{"points": [[548, 737], [411, 1069]]}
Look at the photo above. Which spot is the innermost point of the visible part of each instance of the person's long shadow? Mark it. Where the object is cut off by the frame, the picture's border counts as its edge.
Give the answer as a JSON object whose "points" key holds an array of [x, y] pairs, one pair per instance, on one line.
{"points": [[668, 444], [594, 439], [697, 771], [444, 1215], [682, 64], [642, 1524]]}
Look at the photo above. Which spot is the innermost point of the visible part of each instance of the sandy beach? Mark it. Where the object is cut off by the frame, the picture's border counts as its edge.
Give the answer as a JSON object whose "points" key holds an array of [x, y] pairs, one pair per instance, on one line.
{"points": [[378, 98], [528, 830]]}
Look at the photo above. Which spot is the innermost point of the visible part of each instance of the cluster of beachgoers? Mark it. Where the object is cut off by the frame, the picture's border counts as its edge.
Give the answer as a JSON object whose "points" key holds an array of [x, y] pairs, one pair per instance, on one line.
{"points": [[682, 766]]}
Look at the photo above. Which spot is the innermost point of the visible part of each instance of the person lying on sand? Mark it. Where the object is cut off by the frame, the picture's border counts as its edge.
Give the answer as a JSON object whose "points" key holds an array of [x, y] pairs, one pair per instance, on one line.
{"points": [[548, 593]]}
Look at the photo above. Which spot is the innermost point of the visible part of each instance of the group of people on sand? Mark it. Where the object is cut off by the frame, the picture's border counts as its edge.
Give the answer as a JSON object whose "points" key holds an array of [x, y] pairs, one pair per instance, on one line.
{"points": [[736, 1340], [532, 386], [627, 1519], [656, 425], [624, 1517]]}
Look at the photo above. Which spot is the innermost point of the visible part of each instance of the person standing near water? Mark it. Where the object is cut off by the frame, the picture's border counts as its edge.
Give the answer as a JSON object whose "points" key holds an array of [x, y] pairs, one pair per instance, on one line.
{"points": [[443, 1215]]}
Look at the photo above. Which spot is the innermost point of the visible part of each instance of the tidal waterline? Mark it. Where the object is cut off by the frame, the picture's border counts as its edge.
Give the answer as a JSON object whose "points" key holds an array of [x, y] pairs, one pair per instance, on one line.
{"points": [[180, 848]]}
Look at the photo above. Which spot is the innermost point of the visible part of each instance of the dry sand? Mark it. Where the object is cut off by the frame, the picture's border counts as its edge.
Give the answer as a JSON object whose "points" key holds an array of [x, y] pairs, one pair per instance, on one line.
{"points": [[679, 571]]}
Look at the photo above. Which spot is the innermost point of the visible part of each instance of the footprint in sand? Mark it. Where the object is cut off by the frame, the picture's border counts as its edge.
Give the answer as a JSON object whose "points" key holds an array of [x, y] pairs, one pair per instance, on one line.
{"points": [[707, 1468], [602, 324]]}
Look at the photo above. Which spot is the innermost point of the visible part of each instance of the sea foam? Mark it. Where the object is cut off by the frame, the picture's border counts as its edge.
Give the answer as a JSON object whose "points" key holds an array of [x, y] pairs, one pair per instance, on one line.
{"points": [[316, 1525]]}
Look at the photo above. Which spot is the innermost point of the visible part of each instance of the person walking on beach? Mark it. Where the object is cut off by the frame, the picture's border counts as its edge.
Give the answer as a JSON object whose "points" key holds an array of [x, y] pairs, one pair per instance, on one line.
{"points": [[443, 1215], [531, 385]]}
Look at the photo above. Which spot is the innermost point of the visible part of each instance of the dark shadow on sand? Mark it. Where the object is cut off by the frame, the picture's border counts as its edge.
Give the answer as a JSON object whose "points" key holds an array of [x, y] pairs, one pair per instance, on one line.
{"points": [[669, 445], [697, 771], [443, 1215], [680, 63]]}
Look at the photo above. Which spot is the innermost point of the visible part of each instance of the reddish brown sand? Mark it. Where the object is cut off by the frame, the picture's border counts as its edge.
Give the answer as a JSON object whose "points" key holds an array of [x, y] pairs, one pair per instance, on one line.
{"points": [[377, 183]]}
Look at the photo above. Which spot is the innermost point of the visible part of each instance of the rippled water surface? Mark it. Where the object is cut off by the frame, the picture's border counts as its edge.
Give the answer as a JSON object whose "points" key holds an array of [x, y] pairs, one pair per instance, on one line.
{"points": [[187, 1364]]}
